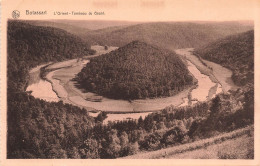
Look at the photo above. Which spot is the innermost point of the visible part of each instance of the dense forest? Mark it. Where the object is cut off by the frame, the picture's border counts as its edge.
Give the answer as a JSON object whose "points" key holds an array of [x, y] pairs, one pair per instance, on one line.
{"points": [[38, 129], [170, 35], [235, 52], [171, 126], [135, 71], [53, 130]]}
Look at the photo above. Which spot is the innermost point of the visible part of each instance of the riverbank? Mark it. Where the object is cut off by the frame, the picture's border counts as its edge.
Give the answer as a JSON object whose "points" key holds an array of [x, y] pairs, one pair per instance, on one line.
{"points": [[82, 98], [68, 88], [216, 72], [223, 75], [61, 77]]}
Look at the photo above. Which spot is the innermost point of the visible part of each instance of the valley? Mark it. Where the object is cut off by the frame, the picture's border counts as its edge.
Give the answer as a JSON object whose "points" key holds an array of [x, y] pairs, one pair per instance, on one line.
{"points": [[133, 90]]}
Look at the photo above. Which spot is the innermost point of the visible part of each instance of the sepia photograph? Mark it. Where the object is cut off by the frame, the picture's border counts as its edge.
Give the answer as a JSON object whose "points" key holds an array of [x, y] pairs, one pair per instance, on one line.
{"points": [[99, 88]]}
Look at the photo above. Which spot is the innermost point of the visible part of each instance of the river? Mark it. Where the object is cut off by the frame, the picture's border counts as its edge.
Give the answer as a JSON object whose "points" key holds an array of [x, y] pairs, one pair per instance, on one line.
{"points": [[60, 86], [41, 88]]}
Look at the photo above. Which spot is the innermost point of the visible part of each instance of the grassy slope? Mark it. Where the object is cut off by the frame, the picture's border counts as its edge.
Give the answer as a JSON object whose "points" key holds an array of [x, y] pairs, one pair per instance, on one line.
{"points": [[166, 34], [137, 70], [235, 52], [181, 150], [241, 147]]}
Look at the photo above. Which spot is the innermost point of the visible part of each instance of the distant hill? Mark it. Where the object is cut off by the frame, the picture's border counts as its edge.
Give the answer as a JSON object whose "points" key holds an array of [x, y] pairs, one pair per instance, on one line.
{"points": [[136, 70], [29, 46], [235, 52], [81, 27], [170, 35], [95, 24], [77, 30]]}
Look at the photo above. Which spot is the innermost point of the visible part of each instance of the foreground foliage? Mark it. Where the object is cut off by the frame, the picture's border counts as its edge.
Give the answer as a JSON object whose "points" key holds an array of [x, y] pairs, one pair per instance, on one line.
{"points": [[39, 129], [175, 126]]}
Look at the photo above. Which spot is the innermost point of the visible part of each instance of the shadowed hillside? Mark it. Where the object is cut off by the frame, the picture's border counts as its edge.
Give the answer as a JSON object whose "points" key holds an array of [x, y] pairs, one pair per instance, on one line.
{"points": [[234, 52], [29, 46], [135, 71], [39, 129]]}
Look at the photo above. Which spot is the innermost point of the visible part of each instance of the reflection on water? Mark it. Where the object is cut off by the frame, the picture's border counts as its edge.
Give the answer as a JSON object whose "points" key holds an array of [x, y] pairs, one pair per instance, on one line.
{"points": [[43, 90], [40, 88], [204, 84]]}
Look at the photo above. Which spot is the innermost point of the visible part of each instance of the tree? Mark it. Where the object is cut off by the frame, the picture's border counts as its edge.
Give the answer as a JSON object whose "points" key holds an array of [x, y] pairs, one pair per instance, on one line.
{"points": [[151, 142], [174, 136], [91, 148], [141, 122], [73, 153], [113, 145], [101, 117], [161, 126], [249, 103], [123, 140], [215, 106], [56, 152], [133, 148]]}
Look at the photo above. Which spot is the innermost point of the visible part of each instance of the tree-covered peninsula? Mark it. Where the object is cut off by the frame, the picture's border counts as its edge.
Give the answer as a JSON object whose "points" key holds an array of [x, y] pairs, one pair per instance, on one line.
{"points": [[135, 71]]}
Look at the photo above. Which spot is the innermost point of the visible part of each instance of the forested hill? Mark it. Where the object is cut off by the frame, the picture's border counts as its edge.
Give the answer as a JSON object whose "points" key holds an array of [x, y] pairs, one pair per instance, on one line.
{"points": [[38, 129], [136, 70], [29, 46], [170, 35], [235, 52]]}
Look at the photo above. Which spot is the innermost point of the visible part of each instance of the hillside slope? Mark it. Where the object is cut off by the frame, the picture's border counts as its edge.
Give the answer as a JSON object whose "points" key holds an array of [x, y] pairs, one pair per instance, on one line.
{"points": [[170, 35], [235, 52], [29, 46], [135, 71]]}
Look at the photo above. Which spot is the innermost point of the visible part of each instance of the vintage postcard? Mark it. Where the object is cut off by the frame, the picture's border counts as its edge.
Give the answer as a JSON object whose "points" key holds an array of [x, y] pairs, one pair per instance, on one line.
{"points": [[130, 82]]}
